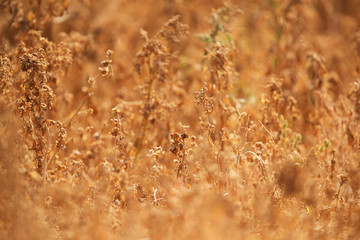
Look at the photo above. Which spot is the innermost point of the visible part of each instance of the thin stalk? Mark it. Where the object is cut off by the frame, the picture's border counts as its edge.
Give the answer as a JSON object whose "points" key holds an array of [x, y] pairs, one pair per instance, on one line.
{"points": [[146, 111], [183, 161], [222, 123], [338, 195], [77, 111], [47, 152], [219, 98]]}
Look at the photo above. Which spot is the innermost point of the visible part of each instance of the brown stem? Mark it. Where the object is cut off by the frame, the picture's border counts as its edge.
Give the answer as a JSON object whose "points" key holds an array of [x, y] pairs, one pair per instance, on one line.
{"points": [[77, 111], [183, 161], [146, 112]]}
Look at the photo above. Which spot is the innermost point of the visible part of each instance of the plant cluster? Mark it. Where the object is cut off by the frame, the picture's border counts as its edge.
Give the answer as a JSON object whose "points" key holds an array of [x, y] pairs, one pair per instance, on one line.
{"points": [[179, 119]]}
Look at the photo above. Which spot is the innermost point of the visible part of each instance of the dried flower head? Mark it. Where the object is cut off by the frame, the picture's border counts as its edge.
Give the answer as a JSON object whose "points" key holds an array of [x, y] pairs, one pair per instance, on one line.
{"points": [[203, 100], [154, 53], [106, 68], [173, 30]]}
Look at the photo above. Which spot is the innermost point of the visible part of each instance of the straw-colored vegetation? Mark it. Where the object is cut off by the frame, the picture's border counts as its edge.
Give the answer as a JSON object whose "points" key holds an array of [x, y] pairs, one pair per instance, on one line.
{"points": [[179, 119]]}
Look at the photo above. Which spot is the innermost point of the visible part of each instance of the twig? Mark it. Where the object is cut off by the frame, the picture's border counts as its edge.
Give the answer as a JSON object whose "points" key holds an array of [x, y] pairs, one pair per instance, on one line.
{"points": [[146, 112], [77, 112]]}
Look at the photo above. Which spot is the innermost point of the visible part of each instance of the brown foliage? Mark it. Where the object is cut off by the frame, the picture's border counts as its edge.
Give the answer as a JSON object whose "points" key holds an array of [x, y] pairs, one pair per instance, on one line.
{"points": [[179, 119]]}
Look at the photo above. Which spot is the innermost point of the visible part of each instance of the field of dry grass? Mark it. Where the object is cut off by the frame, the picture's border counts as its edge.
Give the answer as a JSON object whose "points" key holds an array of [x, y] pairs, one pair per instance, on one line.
{"points": [[178, 119]]}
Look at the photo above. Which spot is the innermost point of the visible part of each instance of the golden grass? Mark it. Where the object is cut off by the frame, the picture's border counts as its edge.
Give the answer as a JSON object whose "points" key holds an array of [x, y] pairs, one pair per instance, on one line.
{"points": [[179, 119]]}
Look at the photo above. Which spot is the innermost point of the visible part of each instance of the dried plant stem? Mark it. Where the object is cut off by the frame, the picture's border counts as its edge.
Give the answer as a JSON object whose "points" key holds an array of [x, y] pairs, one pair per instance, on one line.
{"points": [[221, 112], [222, 121], [271, 137], [39, 133], [184, 171], [220, 164], [51, 159], [338, 194], [222, 143], [183, 162], [209, 132], [46, 163], [77, 111], [146, 112]]}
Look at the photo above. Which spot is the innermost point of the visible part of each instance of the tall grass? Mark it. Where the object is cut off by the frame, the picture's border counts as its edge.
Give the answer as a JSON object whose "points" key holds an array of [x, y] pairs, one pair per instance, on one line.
{"points": [[179, 119]]}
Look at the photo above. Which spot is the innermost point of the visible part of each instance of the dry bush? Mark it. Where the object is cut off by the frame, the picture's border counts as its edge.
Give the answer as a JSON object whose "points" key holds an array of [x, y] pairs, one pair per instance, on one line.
{"points": [[179, 119]]}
